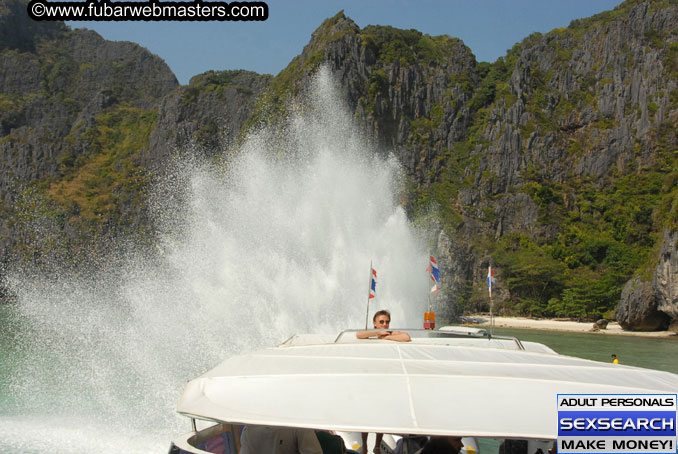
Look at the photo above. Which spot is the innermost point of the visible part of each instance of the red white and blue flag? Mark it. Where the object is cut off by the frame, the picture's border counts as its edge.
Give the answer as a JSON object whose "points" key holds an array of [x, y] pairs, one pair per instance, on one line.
{"points": [[435, 274], [373, 282], [490, 279]]}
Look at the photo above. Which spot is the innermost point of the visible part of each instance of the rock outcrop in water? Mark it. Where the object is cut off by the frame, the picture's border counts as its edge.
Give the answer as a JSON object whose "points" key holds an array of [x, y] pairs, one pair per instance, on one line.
{"points": [[665, 281], [638, 308], [653, 304], [556, 163]]}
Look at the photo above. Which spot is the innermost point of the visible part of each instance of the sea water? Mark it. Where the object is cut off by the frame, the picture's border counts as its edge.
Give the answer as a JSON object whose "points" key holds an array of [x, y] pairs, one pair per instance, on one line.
{"points": [[648, 352], [274, 238]]}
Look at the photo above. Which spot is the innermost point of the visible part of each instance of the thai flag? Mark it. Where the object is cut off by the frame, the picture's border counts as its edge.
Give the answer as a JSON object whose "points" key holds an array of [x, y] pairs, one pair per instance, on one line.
{"points": [[490, 279], [373, 282], [435, 274]]}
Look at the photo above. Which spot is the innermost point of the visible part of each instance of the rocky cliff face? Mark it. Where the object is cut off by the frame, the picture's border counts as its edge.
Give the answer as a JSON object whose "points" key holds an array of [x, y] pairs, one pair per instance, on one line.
{"points": [[638, 308], [582, 128], [555, 164], [665, 281], [57, 91], [208, 114], [653, 305], [19, 32], [408, 89]]}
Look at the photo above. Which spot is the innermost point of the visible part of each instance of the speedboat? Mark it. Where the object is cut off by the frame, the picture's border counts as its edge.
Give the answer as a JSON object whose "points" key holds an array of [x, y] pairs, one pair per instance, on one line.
{"points": [[441, 383]]}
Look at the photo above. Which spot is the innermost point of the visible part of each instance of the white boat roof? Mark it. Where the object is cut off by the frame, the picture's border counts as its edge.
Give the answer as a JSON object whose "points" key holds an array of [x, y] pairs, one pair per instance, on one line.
{"points": [[436, 386]]}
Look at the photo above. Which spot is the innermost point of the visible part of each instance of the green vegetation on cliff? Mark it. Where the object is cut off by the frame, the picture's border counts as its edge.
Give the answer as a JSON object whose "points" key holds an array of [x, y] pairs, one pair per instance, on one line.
{"points": [[406, 47], [272, 105], [94, 186]]}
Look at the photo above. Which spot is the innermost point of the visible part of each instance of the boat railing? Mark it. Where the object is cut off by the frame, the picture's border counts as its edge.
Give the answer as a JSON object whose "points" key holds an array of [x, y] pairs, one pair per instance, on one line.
{"points": [[417, 334]]}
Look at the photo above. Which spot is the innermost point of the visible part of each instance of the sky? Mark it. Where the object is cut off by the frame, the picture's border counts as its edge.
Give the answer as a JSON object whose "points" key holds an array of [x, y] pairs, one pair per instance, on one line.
{"points": [[488, 27]]}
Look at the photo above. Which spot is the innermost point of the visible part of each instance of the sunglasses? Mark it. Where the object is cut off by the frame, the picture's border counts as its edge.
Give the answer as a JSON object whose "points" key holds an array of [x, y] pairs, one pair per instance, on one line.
{"points": [[384, 322]]}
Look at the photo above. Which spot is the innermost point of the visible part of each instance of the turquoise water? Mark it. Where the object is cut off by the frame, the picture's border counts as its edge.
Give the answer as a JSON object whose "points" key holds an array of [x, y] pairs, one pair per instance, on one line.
{"points": [[651, 353]]}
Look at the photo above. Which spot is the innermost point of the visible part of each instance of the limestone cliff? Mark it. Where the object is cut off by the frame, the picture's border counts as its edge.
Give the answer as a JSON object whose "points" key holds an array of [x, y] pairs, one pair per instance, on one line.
{"points": [[208, 114]]}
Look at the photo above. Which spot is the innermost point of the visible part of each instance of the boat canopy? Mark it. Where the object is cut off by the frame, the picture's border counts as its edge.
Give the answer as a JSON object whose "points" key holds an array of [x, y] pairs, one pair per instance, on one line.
{"points": [[432, 387]]}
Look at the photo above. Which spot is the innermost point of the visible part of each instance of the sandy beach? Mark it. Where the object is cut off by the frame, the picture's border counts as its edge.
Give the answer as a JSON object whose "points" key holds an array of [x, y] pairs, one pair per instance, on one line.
{"points": [[613, 328]]}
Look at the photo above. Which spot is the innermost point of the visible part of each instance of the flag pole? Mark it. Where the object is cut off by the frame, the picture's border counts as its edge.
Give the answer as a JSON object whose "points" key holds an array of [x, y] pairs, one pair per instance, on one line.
{"points": [[434, 274], [491, 317], [489, 286], [428, 293], [369, 288]]}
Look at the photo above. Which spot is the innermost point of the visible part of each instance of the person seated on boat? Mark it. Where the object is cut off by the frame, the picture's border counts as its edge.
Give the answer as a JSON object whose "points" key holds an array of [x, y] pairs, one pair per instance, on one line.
{"points": [[330, 442], [377, 443], [410, 444], [442, 445], [278, 440], [381, 322]]}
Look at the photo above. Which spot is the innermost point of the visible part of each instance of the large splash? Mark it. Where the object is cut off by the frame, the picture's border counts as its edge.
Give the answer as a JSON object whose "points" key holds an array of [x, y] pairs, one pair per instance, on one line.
{"points": [[278, 241]]}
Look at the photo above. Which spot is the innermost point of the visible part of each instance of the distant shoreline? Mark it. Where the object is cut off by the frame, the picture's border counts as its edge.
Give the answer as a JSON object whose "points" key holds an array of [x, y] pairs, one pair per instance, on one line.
{"points": [[613, 328]]}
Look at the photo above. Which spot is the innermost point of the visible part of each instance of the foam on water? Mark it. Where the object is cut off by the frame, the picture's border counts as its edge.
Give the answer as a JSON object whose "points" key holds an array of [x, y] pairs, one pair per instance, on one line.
{"points": [[278, 241]]}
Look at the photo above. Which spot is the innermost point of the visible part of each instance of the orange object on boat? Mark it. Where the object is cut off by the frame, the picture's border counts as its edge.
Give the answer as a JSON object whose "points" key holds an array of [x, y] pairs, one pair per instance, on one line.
{"points": [[429, 320]]}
